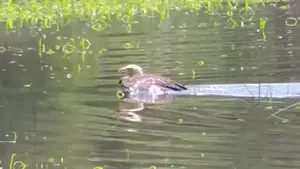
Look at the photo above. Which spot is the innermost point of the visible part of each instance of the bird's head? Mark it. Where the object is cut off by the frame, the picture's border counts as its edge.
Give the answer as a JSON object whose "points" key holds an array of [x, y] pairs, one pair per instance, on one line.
{"points": [[131, 70]]}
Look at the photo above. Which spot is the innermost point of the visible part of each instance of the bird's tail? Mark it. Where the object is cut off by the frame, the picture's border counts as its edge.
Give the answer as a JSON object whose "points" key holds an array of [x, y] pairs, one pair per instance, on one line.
{"points": [[177, 87]]}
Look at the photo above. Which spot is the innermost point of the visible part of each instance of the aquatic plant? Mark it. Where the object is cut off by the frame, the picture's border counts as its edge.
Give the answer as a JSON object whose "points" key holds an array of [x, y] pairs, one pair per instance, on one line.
{"points": [[14, 163], [98, 14]]}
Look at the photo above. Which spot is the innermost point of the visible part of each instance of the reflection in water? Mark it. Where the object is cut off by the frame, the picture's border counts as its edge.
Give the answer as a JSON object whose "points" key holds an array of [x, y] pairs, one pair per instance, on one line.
{"points": [[132, 102], [148, 97], [254, 90]]}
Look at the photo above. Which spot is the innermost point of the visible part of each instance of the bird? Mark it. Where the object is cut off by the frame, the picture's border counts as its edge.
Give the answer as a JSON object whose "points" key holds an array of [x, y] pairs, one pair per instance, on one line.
{"points": [[135, 79]]}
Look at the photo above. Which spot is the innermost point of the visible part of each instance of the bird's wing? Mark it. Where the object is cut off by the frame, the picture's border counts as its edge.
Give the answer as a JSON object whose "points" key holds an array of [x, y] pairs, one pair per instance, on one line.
{"points": [[155, 80]]}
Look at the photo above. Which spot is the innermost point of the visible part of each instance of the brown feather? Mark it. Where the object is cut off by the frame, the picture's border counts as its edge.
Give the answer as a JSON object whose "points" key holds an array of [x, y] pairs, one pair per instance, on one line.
{"points": [[144, 80]]}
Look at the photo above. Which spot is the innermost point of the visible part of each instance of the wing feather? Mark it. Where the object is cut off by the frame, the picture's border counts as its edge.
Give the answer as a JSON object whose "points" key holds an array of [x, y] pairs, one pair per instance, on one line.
{"points": [[146, 79]]}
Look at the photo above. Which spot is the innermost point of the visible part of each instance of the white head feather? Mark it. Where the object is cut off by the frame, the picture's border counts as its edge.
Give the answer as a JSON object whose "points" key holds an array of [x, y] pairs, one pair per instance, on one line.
{"points": [[131, 69]]}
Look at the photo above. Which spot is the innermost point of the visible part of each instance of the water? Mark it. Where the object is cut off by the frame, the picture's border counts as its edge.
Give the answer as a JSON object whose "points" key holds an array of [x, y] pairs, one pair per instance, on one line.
{"points": [[71, 117]]}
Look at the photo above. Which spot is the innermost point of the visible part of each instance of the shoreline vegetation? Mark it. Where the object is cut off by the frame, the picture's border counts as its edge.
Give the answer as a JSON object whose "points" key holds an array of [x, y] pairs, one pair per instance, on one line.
{"points": [[99, 14]]}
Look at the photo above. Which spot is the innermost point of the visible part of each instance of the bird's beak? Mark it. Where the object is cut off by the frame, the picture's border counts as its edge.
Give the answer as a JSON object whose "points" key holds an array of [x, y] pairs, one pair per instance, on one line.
{"points": [[123, 70]]}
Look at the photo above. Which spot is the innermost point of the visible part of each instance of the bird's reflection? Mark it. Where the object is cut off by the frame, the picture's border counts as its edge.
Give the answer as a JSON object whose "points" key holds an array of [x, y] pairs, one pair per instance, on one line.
{"points": [[133, 102]]}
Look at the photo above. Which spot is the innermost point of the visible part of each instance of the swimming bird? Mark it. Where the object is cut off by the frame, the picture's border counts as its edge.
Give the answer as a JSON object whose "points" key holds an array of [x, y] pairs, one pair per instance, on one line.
{"points": [[136, 80]]}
